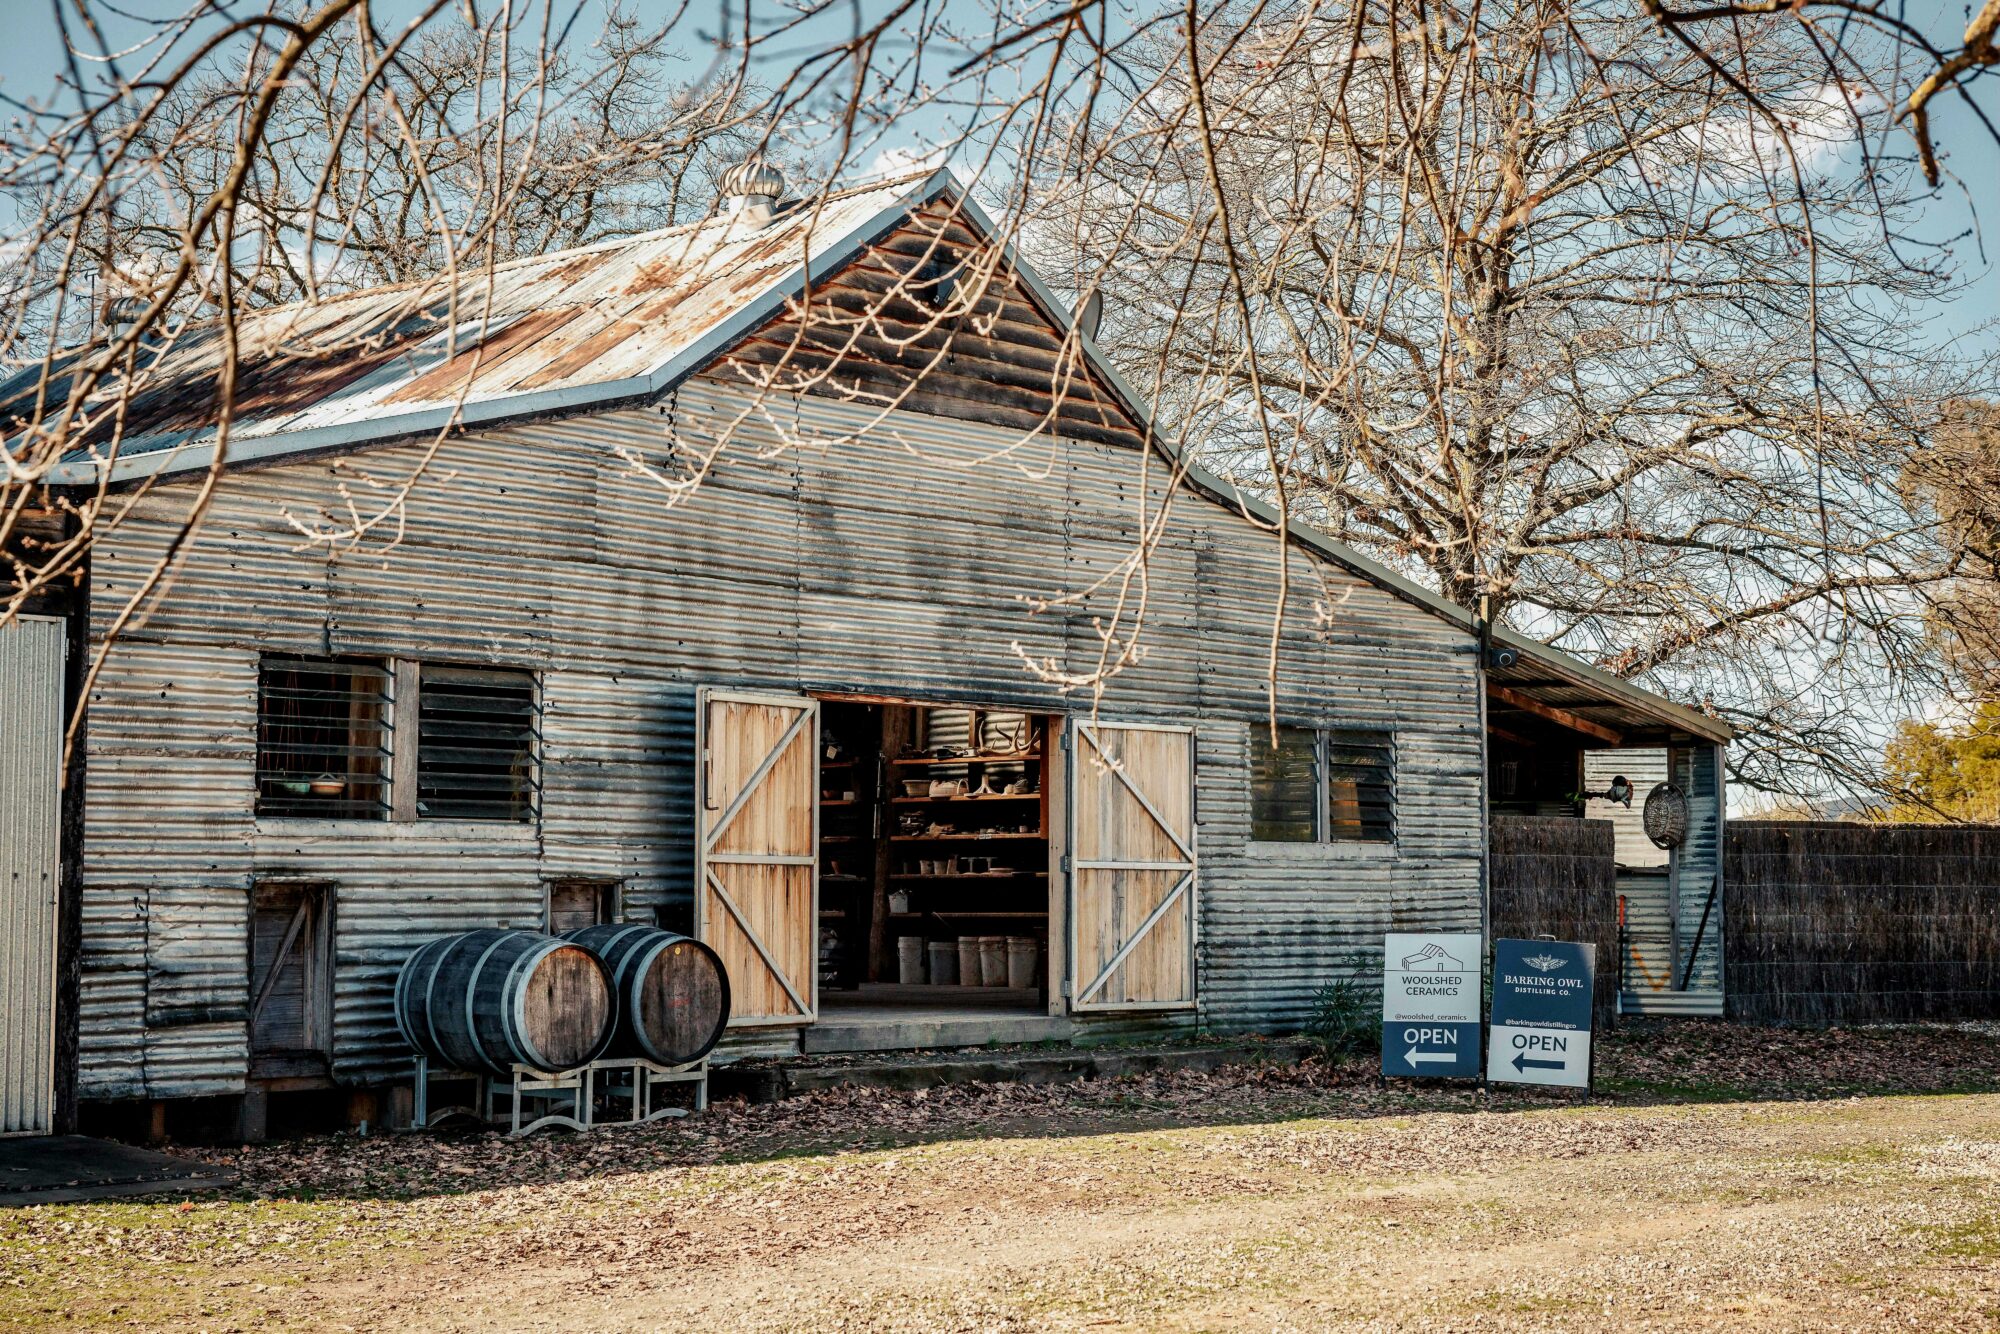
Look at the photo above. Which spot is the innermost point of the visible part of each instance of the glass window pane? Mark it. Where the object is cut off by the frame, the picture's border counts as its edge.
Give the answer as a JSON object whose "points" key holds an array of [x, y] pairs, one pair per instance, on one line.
{"points": [[322, 737], [1284, 788], [1360, 786]]}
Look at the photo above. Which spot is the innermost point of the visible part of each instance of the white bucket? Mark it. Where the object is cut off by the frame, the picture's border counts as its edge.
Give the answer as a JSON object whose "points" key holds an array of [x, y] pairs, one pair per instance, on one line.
{"points": [[910, 960], [944, 963], [1024, 957], [968, 961], [993, 961]]}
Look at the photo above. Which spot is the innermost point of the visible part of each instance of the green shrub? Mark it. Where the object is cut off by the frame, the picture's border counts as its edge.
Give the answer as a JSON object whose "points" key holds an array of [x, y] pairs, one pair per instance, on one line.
{"points": [[1346, 1019]]}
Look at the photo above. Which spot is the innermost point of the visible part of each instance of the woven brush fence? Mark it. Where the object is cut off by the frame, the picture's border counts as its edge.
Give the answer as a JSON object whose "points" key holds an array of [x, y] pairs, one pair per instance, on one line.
{"points": [[1853, 923], [1556, 876]]}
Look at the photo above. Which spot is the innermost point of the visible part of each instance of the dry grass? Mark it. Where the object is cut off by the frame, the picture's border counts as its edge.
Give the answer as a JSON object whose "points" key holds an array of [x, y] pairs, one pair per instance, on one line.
{"points": [[1261, 1199]]}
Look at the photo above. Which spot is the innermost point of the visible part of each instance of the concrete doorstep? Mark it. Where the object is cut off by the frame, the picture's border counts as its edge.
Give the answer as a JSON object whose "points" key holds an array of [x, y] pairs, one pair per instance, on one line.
{"points": [[774, 1082]]}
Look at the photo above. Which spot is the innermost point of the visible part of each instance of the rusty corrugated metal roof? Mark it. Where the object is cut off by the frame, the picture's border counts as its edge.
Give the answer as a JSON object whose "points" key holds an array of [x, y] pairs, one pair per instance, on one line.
{"points": [[595, 324], [617, 321]]}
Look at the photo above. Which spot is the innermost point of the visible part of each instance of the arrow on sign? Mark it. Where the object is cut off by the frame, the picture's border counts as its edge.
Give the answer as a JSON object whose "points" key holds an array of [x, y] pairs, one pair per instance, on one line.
{"points": [[1523, 1063], [1415, 1057]]}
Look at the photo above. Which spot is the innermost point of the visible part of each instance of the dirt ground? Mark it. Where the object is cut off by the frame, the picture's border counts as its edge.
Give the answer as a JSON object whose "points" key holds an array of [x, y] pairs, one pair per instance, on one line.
{"points": [[1730, 1179]]}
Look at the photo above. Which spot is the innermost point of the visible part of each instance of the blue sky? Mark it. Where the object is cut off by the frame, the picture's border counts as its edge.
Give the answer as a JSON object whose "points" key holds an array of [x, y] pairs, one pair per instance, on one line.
{"points": [[32, 52]]}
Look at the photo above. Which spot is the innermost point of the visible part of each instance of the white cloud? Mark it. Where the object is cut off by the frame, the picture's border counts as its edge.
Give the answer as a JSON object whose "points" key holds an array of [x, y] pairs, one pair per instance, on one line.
{"points": [[907, 161]]}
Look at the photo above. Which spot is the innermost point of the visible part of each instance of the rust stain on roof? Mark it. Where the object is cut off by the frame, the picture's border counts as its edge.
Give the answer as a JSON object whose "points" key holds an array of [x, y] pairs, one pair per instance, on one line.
{"points": [[481, 359], [600, 314]]}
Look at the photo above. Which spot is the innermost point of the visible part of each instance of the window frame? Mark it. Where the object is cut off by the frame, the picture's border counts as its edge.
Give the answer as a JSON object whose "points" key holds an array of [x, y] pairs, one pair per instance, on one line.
{"points": [[267, 805], [1325, 739]]}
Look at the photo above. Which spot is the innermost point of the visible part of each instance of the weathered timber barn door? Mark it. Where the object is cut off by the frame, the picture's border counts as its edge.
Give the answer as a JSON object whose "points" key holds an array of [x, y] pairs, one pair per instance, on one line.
{"points": [[756, 850], [31, 732], [1132, 868]]}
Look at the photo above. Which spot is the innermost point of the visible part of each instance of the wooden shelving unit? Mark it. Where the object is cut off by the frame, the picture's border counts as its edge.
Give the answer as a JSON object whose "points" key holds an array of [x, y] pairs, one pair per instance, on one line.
{"points": [[989, 799], [850, 834], [1017, 757], [883, 835], [949, 826]]}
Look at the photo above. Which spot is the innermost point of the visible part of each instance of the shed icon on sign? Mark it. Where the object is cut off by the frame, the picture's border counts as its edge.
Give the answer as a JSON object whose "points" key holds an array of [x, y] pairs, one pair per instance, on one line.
{"points": [[1431, 959]]}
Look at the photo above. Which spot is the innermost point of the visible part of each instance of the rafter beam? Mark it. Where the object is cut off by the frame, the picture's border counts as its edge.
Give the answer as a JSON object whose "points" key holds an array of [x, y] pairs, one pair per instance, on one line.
{"points": [[1576, 722]]}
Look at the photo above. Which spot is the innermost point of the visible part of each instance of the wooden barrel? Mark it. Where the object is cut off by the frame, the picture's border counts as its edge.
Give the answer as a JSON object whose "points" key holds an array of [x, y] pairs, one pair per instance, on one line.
{"points": [[673, 995], [490, 1000]]}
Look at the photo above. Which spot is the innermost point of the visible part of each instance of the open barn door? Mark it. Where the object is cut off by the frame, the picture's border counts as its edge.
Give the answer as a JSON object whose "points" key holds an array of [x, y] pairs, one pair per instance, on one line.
{"points": [[1132, 881], [756, 849]]}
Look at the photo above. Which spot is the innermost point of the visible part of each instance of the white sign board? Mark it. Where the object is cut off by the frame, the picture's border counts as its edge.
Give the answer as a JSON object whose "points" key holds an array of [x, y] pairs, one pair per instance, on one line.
{"points": [[1430, 1005], [1558, 1056], [1541, 1013]]}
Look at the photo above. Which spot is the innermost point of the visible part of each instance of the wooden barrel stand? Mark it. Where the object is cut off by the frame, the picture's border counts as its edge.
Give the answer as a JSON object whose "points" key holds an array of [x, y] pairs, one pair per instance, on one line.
{"points": [[533, 1020]]}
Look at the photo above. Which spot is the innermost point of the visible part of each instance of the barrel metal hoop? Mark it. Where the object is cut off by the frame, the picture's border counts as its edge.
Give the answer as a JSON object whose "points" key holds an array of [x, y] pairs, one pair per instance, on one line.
{"points": [[443, 950], [471, 982], [641, 968], [401, 995], [514, 1005], [628, 929], [406, 978]]}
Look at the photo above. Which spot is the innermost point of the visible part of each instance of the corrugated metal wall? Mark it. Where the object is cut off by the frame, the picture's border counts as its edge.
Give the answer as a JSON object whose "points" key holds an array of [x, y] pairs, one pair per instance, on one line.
{"points": [[1645, 770], [31, 744], [906, 564], [1643, 878], [1698, 771]]}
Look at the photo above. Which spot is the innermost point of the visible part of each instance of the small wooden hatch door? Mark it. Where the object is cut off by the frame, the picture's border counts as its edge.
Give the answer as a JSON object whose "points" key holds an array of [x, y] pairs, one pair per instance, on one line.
{"points": [[756, 849], [1132, 868], [291, 978]]}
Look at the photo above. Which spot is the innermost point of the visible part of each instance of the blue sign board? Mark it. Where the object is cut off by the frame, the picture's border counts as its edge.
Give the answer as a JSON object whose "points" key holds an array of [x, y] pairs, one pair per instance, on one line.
{"points": [[1430, 1005], [1541, 1013]]}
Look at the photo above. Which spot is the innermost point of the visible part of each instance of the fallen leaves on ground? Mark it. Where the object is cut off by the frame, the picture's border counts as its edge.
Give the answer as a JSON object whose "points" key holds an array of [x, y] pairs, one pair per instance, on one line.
{"points": [[777, 1183]]}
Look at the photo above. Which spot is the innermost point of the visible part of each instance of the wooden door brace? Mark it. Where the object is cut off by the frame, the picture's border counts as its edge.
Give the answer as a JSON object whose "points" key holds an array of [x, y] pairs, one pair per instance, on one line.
{"points": [[278, 961], [756, 942], [756, 778], [1153, 811], [1132, 942]]}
